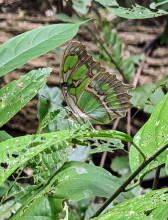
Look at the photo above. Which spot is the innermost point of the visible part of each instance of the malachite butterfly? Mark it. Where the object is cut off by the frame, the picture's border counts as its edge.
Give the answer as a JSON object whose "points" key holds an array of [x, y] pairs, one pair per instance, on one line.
{"points": [[92, 93]]}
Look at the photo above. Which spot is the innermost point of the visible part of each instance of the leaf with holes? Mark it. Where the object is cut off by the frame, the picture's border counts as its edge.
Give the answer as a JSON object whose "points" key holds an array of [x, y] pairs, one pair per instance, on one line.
{"points": [[135, 12], [16, 94], [17, 151], [153, 205], [146, 97], [152, 136]]}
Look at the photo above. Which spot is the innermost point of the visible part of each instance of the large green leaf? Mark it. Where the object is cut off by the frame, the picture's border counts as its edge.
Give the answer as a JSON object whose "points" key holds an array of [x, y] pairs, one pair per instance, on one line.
{"points": [[135, 12], [78, 180], [75, 181], [16, 151], [153, 205], [29, 45], [151, 137], [16, 94]]}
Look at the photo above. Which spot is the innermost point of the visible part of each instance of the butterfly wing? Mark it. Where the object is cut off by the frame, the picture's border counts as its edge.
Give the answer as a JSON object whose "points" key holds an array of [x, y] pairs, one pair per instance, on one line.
{"points": [[106, 98], [90, 91]]}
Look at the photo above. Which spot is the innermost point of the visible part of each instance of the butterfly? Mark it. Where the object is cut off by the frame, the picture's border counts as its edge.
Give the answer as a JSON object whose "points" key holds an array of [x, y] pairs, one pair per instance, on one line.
{"points": [[92, 93]]}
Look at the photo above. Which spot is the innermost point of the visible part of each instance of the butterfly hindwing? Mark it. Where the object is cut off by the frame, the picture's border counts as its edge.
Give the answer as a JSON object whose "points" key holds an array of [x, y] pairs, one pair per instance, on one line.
{"points": [[89, 90]]}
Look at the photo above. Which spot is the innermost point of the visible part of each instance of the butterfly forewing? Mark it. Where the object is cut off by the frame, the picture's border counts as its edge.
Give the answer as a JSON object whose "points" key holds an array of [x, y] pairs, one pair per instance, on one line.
{"points": [[91, 92]]}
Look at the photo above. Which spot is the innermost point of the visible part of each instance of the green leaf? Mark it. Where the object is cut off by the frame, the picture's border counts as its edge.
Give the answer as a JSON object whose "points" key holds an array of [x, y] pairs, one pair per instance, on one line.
{"points": [[50, 104], [81, 6], [151, 137], [153, 205], [66, 18], [146, 97], [111, 134], [114, 44], [49, 99], [4, 136], [164, 38], [75, 182], [17, 151], [135, 12], [44, 207], [6, 211], [137, 58], [16, 94], [29, 45], [81, 153], [121, 166], [99, 145], [25, 148]]}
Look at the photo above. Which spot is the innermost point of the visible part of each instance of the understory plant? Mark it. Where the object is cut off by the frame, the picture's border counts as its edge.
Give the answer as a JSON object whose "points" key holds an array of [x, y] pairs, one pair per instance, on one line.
{"points": [[51, 174]]}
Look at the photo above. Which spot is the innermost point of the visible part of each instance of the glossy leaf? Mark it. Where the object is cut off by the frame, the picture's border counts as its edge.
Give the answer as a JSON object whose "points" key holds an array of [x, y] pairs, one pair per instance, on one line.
{"points": [[75, 181], [29, 45], [151, 137], [16, 94], [153, 205], [135, 12]]}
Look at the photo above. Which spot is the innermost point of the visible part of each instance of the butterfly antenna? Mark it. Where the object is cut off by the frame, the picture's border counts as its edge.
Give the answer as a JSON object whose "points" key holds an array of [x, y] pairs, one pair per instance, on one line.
{"points": [[54, 103]]}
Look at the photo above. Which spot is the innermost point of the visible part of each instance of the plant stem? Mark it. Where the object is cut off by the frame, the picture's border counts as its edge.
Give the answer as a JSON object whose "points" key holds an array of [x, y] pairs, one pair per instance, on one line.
{"points": [[100, 42], [156, 179], [133, 175], [106, 51], [140, 151], [132, 186]]}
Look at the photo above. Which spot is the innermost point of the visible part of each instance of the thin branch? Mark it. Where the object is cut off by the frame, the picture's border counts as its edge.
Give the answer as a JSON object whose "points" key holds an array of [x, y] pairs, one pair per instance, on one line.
{"points": [[133, 175], [100, 42], [156, 179], [128, 125], [103, 159]]}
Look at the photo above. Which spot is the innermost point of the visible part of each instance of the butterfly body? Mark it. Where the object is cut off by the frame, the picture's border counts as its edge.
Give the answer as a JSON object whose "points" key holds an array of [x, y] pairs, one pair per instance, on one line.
{"points": [[90, 91]]}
